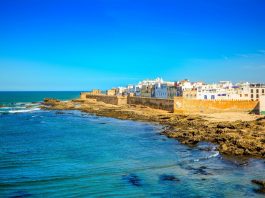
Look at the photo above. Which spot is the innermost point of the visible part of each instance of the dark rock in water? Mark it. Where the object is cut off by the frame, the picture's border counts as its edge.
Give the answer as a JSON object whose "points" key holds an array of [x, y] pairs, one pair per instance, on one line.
{"points": [[166, 177], [260, 190], [205, 148], [258, 182], [261, 184], [59, 112], [201, 171], [102, 123], [132, 179], [20, 194]]}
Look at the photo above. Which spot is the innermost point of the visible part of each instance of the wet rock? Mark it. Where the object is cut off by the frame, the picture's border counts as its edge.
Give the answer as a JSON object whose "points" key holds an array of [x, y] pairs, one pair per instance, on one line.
{"points": [[59, 112], [258, 182], [201, 171], [261, 184], [166, 177], [132, 179], [51, 100]]}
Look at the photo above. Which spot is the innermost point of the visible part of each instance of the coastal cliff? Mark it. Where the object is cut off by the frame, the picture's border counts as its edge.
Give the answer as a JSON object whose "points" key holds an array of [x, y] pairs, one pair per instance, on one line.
{"points": [[238, 137]]}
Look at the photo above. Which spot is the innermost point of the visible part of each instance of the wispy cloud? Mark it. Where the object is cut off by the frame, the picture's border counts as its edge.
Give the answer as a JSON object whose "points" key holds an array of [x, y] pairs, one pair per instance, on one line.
{"points": [[262, 51], [244, 55], [254, 67], [258, 53]]}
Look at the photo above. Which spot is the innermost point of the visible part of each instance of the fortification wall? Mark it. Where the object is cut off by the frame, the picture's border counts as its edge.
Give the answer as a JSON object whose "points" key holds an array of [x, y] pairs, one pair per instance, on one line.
{"points": [[182, 105], [115, 100], [165, 104], [262, 105]]}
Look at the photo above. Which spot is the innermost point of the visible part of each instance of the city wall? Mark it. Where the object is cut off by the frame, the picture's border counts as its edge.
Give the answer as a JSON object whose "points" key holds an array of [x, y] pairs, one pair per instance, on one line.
{"points": [[156, 103], [180, 104], [114, 100], [262, 105]]}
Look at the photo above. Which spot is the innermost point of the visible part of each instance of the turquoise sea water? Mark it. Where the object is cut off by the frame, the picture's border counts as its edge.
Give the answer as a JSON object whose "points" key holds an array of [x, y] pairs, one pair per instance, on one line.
{"points": [[9, 97], [73, 154]]}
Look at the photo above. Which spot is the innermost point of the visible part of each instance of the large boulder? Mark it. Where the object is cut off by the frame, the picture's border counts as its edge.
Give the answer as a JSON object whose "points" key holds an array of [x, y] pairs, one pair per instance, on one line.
{"points": [[50, 101]]}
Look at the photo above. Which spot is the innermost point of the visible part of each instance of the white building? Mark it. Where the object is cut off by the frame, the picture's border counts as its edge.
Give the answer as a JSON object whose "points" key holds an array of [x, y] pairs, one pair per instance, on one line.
{"points": [[164, 90], [224, 90], [256, 91], [136, 89], [160, 90], [121, 91]]}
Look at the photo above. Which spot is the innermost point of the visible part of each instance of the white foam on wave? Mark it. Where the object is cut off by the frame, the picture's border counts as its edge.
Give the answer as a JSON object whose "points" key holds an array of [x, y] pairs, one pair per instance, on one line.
{"points": [[216, 154], [20, 107], [23, 111]]}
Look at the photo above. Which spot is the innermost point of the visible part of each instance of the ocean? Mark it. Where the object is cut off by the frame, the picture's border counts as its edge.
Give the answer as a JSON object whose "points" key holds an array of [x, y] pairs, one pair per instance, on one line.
{"points": [[47, 153]]}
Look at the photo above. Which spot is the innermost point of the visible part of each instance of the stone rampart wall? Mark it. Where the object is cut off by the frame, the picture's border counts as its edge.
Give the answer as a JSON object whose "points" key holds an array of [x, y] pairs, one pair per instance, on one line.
{"points": [[156, 103], [115, 100], [182, 105]]}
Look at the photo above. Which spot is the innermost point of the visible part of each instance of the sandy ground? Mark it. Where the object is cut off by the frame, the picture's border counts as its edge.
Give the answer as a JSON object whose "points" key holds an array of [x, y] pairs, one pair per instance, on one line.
{"points": [[230, 116]]}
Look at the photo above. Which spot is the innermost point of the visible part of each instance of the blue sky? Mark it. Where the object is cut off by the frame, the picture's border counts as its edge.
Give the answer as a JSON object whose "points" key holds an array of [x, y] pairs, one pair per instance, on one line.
{"points": [[80, 45]]}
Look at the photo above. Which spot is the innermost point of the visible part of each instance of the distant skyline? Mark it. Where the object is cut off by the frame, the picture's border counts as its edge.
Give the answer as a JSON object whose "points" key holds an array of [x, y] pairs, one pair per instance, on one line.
{"points": [[85, 44]]}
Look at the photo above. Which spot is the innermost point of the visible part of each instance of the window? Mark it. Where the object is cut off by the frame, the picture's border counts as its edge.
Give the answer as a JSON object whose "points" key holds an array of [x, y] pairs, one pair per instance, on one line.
{"points": [[257, 90], [257, 96], [263, 91], [251, 95], [251, 90]]}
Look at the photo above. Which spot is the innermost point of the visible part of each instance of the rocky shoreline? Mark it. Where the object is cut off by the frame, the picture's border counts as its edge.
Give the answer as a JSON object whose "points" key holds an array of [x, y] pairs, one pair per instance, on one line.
{"points": [[241, 138]]}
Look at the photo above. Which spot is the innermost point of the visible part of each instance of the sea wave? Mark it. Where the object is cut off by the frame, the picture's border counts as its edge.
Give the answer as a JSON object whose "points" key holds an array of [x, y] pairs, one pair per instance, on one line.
{"points": [[216, 154], [20, 108], [212, 155], [23, 111]]}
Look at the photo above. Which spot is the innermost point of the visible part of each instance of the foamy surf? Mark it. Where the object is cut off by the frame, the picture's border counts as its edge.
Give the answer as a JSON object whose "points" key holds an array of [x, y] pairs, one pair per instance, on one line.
{"points": [[23, 111], [20, 108], [216, 154]]}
